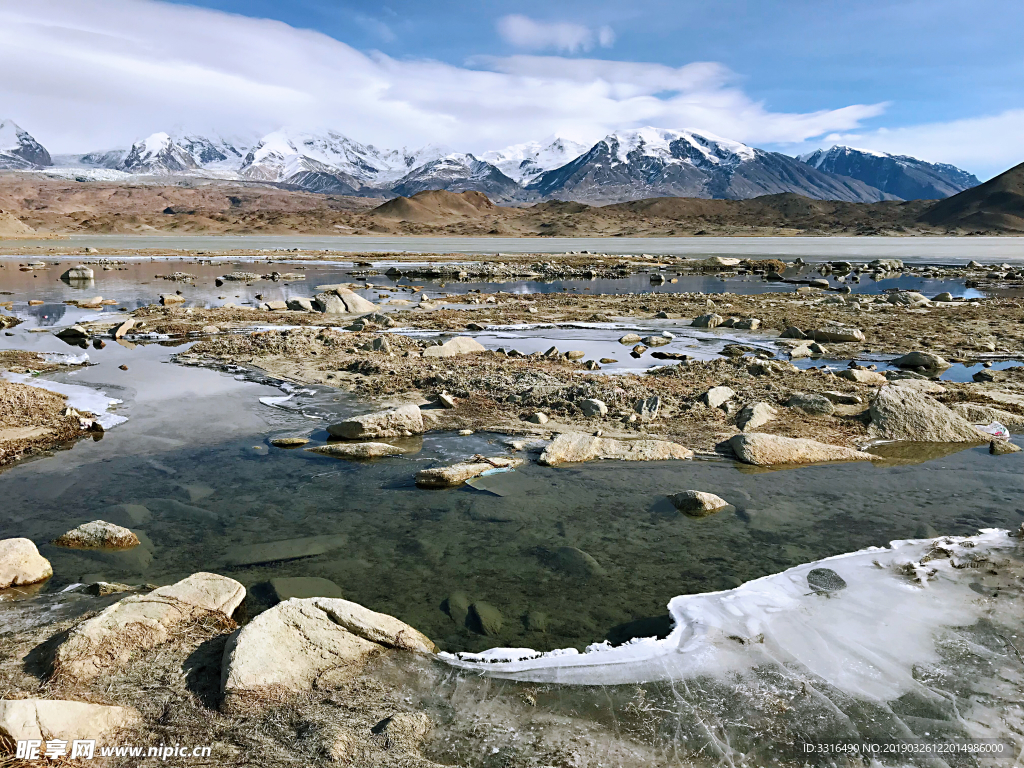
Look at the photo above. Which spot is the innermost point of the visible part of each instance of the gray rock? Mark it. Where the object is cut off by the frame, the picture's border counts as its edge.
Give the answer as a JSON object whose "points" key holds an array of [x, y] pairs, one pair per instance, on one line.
{"points": [[811, 404], [485, 618], [792, 332], [301, 304], [593, 408], [907, 299], [755, 415], [79, 273], [861, 376], [655, 341], [843, 398], [710, 320], [457, 474], [697, 503], [900, 413], [395, 422], [575, 354], [648, 409], [72, 332], [329, 303], [943, 297], [572, 447], [171, 298], [282, 550], [630, 338], [750, 324], [825, 580], [837, 334], [21, 563], [44, 720], [446, 401], [368, 450], [717, 396], [927, 360]]}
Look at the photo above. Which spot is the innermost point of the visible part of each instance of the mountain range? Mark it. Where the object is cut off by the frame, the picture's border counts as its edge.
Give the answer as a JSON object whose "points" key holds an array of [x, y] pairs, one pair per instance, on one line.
{"points": [[626, 165]]}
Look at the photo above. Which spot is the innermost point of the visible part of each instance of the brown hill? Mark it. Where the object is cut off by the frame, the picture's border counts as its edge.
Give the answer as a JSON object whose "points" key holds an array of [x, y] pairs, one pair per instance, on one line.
{"points": [[12, 226], [436, 206], [997, 204]]}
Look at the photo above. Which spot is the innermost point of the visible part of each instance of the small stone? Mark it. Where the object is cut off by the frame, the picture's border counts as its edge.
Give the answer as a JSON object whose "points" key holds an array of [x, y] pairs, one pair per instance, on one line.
{"points": [[655, 341], [171, 298], [825, 580], [465, 432], [123, 367], [575, 354], [944, 296], [607, 361], [576, 562], [697, 503], [638, 351], [755, 415], [862, 377], [792, 332], [446, 401], [538, 418], [629, 338]]}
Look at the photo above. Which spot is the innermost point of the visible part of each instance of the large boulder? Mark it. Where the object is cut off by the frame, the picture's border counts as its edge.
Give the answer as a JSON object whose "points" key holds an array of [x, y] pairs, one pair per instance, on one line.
{"points": [[457, 474], [342, 301], [98, 534], [21, 563], [143, 621], [901, 413], [302, 642], [927, 360], [54, 719], [572, 447], [79, 273], [771, 450], [460, 345], [395, 422], [837, 334]]}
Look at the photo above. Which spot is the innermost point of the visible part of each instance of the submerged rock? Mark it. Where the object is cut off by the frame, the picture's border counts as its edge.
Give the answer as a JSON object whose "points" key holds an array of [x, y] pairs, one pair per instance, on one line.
{"points": [[571, 447], [485, 618], [457, 474], [21, 563], [283, 549], [457, 607], [697, 503], [395, 422], [98, 534], [286, 587], [54, 719], [143, 621], [900, 413], [771, 450], [576, 562], [297, 643]]}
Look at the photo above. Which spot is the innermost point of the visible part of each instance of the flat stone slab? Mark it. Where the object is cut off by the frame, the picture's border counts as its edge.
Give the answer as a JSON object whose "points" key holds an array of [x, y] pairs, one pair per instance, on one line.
{"points": [[572, 447], [772, 450], [394, 422], [143, 621], [457, 474], [286, 549], [356, 450]]}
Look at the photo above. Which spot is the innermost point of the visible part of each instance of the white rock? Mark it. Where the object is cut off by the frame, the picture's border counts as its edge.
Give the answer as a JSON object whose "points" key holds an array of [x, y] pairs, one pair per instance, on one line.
{"points": [[717, 396], [771, 450], [55, 719], [21, 563], [460, 345], [861, 376], [593, 408], [80, 272], [697, 503], [299, 643], [143, 621], [357, 450], [98, 534], [576, 447], [921, 360], [755, 415]]}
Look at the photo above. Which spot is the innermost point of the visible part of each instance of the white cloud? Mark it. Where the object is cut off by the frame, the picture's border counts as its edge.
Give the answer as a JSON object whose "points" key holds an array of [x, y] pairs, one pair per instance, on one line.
{"points": [[83, 76], [985, 145], [524, 32]]}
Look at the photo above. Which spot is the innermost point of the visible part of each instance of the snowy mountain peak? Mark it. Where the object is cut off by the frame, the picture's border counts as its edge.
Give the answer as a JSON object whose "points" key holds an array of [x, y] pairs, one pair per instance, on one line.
{"points": [[524, 162], [671, 147], [18, 147], [158, 154], [900, 175]]}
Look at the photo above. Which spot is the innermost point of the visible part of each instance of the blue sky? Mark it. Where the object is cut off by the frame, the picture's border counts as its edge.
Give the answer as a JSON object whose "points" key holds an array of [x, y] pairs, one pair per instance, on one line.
{"points": [[943, 79]]}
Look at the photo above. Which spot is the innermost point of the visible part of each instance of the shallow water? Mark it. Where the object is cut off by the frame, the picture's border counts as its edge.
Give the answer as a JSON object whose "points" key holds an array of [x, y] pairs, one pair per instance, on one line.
{"points": [[954, 250], [195, 452]]}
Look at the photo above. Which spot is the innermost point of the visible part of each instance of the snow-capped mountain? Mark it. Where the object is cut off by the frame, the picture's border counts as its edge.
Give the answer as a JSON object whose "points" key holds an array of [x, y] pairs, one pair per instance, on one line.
{"points": [[18, 150], [900, 175], [655, 162], [525, 162], [103, 158], [459, 173], [215, 153], [157, 154]]}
